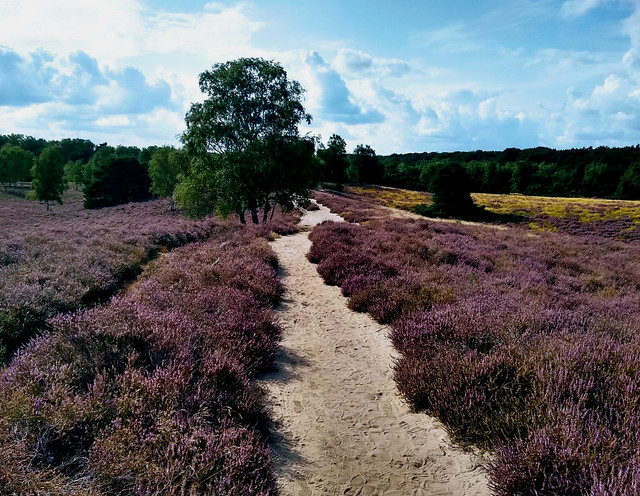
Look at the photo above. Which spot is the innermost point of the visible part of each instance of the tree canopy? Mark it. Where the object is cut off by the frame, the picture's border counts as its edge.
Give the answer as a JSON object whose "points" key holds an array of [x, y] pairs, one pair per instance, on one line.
{"points": [[243, 141], [165, 165], [334, 156], [15, 164], [48, 172], [118, 180], [364, 166], [451, 190]]}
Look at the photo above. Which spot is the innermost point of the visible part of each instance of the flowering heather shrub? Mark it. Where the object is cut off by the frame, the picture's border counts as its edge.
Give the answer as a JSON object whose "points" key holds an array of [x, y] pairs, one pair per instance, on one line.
{"points": [[151, 393], [350, 207], [70, 257], [526, 345]]}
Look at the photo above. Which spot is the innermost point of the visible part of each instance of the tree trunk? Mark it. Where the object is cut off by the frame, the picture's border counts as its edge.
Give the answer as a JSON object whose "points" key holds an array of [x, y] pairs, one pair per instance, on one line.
{"points": [[241, 215], [265, 212], [253, 208]]}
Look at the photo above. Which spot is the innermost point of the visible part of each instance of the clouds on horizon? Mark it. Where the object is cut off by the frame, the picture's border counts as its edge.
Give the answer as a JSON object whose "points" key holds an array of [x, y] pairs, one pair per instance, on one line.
{"points": [[131, 76]]}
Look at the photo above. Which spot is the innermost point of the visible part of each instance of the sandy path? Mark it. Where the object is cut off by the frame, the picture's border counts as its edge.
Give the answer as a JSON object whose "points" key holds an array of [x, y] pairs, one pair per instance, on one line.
{"points": [[341, 426]]}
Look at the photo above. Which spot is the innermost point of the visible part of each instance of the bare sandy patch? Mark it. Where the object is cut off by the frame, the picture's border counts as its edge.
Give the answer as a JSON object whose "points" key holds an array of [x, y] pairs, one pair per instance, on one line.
{"points": [[341, 427]]}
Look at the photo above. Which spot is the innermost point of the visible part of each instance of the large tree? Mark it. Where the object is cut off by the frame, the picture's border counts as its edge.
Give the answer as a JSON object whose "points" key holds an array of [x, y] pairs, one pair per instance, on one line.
{"points": [[244, 138], [48, 172]]}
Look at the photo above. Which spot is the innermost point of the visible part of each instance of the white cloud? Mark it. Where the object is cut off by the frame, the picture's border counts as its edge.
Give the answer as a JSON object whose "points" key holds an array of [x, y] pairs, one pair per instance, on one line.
{"points": [[115, 30], [577, 8], [360, 64], [631, 28], [332, 99], [114, 121]]}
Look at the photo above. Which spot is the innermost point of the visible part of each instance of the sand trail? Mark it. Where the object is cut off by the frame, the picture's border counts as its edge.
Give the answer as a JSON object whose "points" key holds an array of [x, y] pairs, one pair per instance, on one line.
{"points": [[341, 427]]}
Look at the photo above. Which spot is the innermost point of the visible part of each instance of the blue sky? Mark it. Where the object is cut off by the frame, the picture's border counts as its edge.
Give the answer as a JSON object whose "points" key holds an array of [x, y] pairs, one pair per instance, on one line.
{"points": [[400, 76]]}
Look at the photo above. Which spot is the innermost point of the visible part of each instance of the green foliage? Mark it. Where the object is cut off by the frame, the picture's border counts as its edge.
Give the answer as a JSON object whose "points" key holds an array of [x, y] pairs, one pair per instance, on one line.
{"points": [[164, 166], [629, 187], [48, 172], [74, 173], [592, 172], [100, 161], [195, 192], [334, 158], [250, 121], [15, 164], [76, 149], [449, 183], [120, 180], [29, 143], [364, 166]]}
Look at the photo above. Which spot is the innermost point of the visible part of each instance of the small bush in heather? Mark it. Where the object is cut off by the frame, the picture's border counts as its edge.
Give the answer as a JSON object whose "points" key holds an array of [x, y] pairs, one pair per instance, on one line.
{"points": [[387, 299], [336, 268]]}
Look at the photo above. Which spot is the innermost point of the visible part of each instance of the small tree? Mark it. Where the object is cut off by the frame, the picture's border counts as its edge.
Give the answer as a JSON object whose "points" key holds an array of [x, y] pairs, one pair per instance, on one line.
{"points": [[335, 161], [48, 173], [250, 116], [364, 166], [450, 185], [15, 164], [451, 191]]}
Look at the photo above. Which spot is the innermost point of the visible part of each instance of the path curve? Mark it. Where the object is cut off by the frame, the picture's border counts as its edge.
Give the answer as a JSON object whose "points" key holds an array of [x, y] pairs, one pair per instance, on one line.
{"points": [[340, 425]]}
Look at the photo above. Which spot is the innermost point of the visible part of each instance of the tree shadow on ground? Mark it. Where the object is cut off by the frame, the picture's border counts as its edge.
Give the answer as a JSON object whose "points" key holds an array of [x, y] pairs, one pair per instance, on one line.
{"points": [[477, 214]]}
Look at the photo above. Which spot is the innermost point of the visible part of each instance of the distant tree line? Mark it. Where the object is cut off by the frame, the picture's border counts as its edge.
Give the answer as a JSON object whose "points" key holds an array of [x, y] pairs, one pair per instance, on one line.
{"points": [[107, 175], [278, 169], [601, 172]]}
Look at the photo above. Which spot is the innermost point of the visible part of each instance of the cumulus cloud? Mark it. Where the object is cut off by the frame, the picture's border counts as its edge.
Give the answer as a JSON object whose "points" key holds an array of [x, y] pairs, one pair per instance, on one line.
{"points": [[135, 94], [77, 80], [468, 119], [115, 30], [334, 101], [610, 115], [361, 64], [24, 81]]}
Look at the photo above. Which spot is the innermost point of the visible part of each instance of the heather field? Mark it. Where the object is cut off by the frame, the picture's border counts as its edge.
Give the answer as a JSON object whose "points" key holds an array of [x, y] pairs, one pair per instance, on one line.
{"points": [[525, 344], [69, 258], [153, 391], [615, 219]]}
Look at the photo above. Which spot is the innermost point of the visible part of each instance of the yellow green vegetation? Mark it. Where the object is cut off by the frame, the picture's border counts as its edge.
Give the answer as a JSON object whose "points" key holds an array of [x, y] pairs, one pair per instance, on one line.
{"points": [[403, 199], [539, 213], [584, 209]]}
